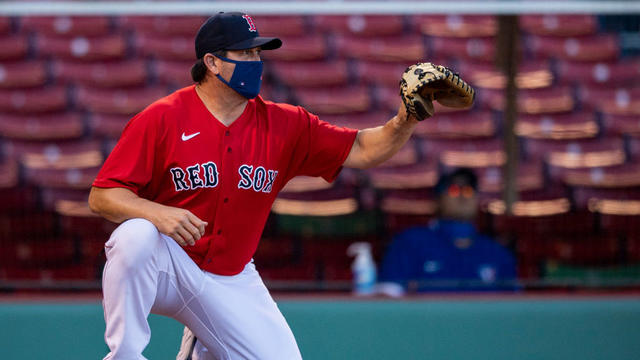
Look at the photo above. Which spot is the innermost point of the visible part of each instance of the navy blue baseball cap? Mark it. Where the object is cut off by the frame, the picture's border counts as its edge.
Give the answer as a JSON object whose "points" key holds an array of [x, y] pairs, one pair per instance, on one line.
{"points": [[231, 31]]}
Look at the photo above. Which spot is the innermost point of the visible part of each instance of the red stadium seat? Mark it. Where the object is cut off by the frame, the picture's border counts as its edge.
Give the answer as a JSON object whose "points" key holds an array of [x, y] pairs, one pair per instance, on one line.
{"points": [[357, 121], [176, 73], [55, 126], [8, 175], [461, 124], [14, 47], [618, 125], [102, 74], [391, 48], [22, 74], [60, 155], [118, 101], [464, 26], [45, 252], [5, 25], [334, 100], [615, 101], [618, 209], [310, 74], [623, 73], [64, 200], [475, 48], [306, 183], [173, 47], [602, 47], [577, 153], [407, 155], [529, 177], [388, 98], [107, 47], [364, 25], [300, 48], [107, 125], [617, 176], [26, 225], [163, 25], [275, 251], [534, 101], [67, 26], [531, 75], [573, 125], [405, 208], [61, 178], [383, 73], [31, 101], [423, 174], [559, 25], [327, 202], [466, 153], [278, 26]]}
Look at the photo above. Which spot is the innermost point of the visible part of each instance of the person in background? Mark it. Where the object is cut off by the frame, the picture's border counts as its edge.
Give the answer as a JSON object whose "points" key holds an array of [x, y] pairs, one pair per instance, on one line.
{"points": [[448, 254]]}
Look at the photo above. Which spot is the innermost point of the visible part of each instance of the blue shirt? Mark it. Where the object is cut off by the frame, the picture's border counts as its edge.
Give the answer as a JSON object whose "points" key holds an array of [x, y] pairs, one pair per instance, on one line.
{"points": [[448, 255]]}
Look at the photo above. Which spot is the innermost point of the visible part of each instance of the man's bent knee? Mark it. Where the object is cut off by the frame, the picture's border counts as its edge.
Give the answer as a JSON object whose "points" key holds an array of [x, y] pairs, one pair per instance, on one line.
{"points": [[133, 242]]}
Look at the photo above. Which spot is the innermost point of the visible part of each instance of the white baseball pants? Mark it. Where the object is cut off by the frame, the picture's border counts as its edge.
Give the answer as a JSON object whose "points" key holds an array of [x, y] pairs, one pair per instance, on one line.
{"points": [[233, 317]]}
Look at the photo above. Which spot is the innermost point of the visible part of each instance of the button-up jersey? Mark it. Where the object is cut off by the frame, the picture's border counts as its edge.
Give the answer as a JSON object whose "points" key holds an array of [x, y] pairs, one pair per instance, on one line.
{"points": [[176, 153]]}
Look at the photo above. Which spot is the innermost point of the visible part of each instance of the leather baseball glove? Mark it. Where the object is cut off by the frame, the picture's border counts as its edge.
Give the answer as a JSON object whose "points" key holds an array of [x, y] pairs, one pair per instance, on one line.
{"points": [[423, 83]]}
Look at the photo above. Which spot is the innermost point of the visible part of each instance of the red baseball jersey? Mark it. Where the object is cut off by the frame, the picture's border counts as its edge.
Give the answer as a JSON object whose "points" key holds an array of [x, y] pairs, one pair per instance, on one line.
{"points": [[175, 152]]}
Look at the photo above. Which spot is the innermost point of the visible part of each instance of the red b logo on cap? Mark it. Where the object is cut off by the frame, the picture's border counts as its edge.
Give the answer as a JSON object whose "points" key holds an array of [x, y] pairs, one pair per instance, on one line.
{"points": [[252, 26]]}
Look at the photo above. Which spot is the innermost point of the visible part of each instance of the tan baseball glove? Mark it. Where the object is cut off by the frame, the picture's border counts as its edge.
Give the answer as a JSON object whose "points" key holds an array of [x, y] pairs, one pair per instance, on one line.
{"points": [[423, 83]]}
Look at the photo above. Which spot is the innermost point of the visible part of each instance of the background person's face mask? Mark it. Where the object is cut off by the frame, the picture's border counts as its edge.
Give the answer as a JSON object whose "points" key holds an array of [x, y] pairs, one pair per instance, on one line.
{"points": [[246, 78]]}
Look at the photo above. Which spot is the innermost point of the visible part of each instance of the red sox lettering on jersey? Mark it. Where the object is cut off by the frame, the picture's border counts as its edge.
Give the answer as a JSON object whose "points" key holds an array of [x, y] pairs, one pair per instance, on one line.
{"points": [[206, 176]]}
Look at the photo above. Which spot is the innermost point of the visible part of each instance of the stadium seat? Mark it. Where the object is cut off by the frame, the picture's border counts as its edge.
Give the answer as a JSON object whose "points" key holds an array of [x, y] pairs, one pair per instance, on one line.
{"points": [[31, 101], [66, 25], [383, 73], [533, 101], [531, 74], [174, 47], [68, 200], [101, 74], [326, 202], [5, 25], [357, 121], [618, 209], [108, 125], [306, 183], [402, 48], [22, 74], [418, 175], [330, 100], [14, 47], [618, 125], [26, 225], [60, 155], [464, 26], [300, 48], [466, 153], [175, 73], [8, 175], [363, 25], [559, 25], [276, 251], [572, 125], [279, 26], [42, 253], [615, 101], [118, 101], [388, 99], [407, 155], [529, 177], [107, 47], [80, 178], [51, 126], [163, 25], [406, 208], [625, 72], [577, 153], [310, 74], [601, 47], [476, 48], [455, 125], [617, 176]]}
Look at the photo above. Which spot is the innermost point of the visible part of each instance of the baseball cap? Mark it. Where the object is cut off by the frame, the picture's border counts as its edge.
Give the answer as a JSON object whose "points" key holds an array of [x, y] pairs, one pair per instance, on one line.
{"points": [[231, 31], [465, 174]]}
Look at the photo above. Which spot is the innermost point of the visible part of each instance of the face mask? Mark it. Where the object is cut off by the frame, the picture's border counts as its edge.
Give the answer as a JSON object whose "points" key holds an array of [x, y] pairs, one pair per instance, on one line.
{"points": [[246, 77]]}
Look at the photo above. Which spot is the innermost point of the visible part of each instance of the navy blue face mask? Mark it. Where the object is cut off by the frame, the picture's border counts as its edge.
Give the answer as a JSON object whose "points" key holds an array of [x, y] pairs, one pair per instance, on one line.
{"points": [[246, 77]]}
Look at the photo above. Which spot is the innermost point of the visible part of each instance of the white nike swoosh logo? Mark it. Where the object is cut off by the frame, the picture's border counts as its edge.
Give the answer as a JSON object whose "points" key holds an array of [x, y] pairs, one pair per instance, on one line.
{"points": [[187, 137]]}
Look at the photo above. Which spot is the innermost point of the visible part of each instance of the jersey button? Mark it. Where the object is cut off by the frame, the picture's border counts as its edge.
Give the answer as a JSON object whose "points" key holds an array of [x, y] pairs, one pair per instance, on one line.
{"points": [[228, 149], [208, 261], [219, 232], [226, 200], [227, 133]]}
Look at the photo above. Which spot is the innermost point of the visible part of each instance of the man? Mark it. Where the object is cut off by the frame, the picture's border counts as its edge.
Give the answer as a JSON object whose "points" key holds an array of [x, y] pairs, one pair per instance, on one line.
{"points": [[192, 180], [449, 253]]}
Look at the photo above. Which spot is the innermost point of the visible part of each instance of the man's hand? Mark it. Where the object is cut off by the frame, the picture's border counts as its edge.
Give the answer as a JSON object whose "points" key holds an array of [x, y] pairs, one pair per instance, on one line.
{"points": [[179, 224]]}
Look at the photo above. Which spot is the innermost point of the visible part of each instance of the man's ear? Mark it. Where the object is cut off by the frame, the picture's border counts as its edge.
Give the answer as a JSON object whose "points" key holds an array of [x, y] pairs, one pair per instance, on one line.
{"points": [[210, 62]]}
